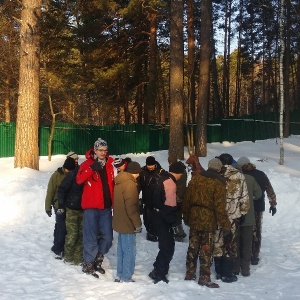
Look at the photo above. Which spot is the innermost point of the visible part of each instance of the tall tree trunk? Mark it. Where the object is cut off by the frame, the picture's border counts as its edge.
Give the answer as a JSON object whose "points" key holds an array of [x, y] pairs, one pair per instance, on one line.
{"points": [[151, 98], [189, 109], [176, 143], [26, 143], [204, 77], [287, 69]]}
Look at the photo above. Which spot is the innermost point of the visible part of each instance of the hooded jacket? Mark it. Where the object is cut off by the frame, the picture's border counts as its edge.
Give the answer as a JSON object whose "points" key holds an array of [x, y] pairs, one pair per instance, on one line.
{"points": [[69, 192], [265, 185], [54, 181], [126, 215], [92, 196]]}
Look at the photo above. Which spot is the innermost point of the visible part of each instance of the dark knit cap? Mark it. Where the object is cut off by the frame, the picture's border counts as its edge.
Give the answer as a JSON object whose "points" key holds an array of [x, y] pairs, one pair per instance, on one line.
{"points": [[133, 167], [177, 167], [150, 161], [118, 162], [225, 158], [69, 164]]}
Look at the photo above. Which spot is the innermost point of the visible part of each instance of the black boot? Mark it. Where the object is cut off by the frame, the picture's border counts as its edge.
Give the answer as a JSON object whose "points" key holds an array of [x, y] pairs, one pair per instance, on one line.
{"points": [[218, 267], [98, 263], [227, 268]]}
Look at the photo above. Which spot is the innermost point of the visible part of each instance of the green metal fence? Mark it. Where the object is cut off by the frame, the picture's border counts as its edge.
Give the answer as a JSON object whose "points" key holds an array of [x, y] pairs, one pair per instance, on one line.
{"points": [[138, 138]]}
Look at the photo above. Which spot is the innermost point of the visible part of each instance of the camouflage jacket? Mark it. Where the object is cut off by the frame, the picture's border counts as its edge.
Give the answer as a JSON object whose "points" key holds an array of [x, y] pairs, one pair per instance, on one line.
{"points": [[204, 204], [237, 197]]}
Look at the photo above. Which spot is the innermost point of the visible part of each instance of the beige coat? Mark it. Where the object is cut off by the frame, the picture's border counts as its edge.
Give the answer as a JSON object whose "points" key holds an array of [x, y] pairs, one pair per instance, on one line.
{"points": [[126, 216]]}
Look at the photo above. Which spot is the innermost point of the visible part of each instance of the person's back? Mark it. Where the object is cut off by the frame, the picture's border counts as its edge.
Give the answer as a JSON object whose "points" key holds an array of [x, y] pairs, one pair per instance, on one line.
{"points": [[204, 205], [259, 204], [204, 208]]}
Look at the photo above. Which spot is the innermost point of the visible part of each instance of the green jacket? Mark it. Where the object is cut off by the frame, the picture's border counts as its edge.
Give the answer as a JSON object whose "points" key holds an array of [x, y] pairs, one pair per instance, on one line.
{"points": [[204, 204], [54, 181], [255, 193]]}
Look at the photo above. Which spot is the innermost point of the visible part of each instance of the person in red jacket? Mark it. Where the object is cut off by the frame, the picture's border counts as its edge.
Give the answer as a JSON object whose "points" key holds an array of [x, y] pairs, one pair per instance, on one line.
{"points": [[97, 175]]}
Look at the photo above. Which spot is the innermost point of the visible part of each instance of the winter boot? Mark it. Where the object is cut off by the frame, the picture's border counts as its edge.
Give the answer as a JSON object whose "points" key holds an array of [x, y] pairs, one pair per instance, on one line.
{"points": [[159, 278], [98, 263], [190, 276], [218, 267], [153, 274], [207, 282], [227, 274], [88, 268]]}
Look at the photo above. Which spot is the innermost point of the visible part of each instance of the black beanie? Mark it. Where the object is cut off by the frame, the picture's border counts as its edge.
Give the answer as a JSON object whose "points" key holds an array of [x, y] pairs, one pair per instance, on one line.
{"points": [[150, 161], [69, 164], [177, 167]]}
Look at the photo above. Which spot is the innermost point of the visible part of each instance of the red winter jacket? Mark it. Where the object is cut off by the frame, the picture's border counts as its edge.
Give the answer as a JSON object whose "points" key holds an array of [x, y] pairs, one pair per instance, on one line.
{"points": [[92, 196]]}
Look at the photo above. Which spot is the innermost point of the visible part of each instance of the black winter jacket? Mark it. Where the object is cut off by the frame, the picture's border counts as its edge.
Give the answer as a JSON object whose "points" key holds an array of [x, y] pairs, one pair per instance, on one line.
{"points": [[69, 192], [265, 185]]}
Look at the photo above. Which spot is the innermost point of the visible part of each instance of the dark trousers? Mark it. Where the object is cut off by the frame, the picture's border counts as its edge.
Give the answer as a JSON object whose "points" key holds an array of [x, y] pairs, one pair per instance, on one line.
{"points": [[243, 259], [59, 233], [256, 244], [148, 215], [166, 244]]}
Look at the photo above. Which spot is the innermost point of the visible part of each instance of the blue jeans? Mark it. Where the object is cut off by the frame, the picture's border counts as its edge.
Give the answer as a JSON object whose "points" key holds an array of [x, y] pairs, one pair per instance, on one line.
{"points": [[59, 233], [126, 255], [97, 233]]}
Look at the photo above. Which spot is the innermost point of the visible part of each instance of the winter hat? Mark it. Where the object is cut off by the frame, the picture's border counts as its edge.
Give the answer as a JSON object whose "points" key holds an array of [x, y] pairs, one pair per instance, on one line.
{"points": [[118, 162], [225, 158], [100, 143], [72, 154], [177, 167], [243, 161], [69, 164], [133, 167], [215, 164], [150, 161]]}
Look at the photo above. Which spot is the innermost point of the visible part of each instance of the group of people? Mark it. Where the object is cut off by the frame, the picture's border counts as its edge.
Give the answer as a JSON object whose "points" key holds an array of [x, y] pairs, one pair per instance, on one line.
{"points": [[222, 206]]}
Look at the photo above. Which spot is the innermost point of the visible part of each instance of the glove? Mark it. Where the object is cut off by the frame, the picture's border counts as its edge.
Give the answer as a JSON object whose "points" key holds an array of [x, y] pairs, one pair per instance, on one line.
{"points": [[97, 165], [49, 213], [273, 210], [138, 230], [60, 211], [242, 219], [176, 229]]}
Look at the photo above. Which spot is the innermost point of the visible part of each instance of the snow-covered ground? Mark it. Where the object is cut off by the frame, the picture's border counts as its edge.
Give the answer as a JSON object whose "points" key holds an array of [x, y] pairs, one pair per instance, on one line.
{"points": [[29, 271]]}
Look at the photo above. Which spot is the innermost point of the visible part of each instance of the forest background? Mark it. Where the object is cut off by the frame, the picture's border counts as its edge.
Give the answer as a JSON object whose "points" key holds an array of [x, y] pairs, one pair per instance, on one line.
{"points": [[149, 62]]}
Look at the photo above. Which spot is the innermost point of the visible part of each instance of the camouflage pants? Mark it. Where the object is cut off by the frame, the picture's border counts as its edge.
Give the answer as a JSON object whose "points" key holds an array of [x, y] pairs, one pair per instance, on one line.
{"points": [[226, 247], [73, 243], [200, 245], [256, 243]]}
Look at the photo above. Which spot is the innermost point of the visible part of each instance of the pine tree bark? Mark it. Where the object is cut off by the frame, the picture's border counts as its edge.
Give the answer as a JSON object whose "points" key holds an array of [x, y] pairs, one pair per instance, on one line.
{"points": [[204, 77], [26, 142], [176, 143]]}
